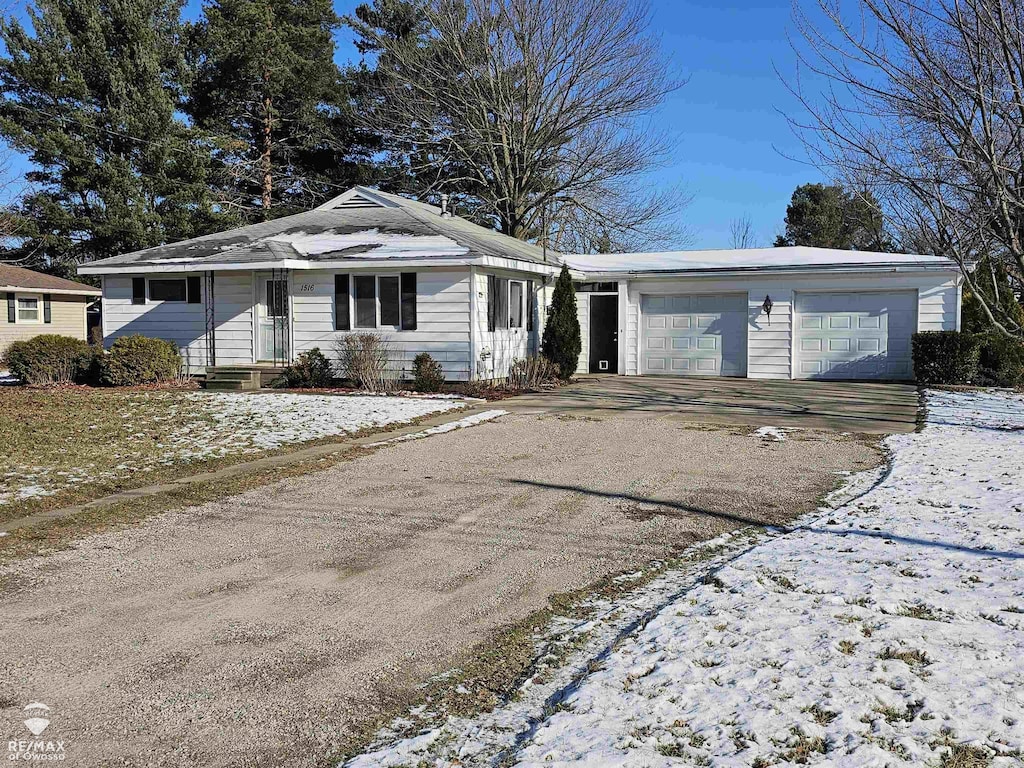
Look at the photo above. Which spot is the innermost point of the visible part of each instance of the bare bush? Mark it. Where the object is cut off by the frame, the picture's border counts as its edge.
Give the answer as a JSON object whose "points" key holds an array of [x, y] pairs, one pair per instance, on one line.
{"points": [[365, 358], [532, 373]]}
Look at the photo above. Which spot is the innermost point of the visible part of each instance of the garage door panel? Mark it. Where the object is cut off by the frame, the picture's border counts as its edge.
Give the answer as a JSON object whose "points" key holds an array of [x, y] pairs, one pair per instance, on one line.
{"points": [[699, 334], [855, 335]]}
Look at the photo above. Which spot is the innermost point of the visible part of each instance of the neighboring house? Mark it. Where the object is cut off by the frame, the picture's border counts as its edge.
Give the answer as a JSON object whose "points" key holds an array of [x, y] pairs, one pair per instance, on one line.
{"points": [[368, 261], [40, 303]]}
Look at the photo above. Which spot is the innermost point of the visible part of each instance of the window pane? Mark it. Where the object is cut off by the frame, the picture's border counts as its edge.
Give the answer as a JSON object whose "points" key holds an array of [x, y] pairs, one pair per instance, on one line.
{"points": [[28, 309], [515, 305], [366, 301], [275, 298], [389, 301], [167, 290], [502, 310]]}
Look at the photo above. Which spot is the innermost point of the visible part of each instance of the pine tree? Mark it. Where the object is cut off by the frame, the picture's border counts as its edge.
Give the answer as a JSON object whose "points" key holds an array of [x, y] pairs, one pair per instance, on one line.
{"points": [[89, 94], [831, 217], [561, 343], [269, 91]]}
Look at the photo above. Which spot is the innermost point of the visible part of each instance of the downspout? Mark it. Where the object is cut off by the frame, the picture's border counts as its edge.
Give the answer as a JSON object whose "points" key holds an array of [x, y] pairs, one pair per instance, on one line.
{"points": [[474, 343], [211, 323]]}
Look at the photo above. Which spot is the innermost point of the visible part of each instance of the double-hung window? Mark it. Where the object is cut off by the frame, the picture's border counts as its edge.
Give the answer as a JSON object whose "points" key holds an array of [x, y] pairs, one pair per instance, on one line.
{"points": [[178, 289], [387, 302], [509, 303], [515, 304], [30, 309]]}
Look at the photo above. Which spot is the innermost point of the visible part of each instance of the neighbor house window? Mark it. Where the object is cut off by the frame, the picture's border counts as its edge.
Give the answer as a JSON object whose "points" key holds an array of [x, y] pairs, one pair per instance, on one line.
{"points": [[165, 289], [515, 304], [30, 309], [381, 301]]}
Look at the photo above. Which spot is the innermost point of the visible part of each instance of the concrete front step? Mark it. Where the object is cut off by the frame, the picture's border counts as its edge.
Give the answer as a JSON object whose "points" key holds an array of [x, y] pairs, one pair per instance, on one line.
{"points": [[234, 378]]}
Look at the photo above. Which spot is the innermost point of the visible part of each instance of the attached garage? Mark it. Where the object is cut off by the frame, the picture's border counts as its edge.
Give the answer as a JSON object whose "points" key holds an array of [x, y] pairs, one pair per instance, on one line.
{"points": [[695, 334], [771, 313], [855, 334]]}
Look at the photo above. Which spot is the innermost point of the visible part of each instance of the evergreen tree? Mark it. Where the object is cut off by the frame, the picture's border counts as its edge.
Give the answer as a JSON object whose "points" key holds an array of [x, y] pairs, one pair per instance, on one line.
{"points": [[831, 217], [88, 92], [268, 90], [561, 343]]}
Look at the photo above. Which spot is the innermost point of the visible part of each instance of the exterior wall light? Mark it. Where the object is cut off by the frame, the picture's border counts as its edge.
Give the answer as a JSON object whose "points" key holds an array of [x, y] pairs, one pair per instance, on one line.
{"points": [[767, 307]]}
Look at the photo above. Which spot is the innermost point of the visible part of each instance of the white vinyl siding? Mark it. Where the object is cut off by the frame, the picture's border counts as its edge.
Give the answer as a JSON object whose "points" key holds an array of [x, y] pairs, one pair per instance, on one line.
{"points": [[178, 322], [442, 326], [234, 315], [770, 349], [503, 345], [583, 314]]}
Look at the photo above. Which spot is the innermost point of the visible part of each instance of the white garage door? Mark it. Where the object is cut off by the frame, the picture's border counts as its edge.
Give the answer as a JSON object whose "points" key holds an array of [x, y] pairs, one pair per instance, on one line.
{"points": [[694, 335], [855, 335]]}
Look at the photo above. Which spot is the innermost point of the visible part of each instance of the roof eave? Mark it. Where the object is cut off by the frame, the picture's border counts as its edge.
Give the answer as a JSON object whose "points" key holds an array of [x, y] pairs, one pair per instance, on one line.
{"points": [[761, 270], [85, 290]]}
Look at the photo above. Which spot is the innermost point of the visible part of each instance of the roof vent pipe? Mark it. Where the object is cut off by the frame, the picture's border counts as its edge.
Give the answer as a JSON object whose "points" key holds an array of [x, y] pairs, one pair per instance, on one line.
{"points": [[445, 213]]}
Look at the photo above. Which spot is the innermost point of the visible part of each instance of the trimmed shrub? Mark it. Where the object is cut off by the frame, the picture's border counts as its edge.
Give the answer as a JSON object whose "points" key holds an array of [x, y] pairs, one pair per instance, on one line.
{"points": [[427, 374], [1000, 361], [945, 357], [531, 373], [135, 360], [49, 359], [562, 342], [364, 358], [310, 369]]}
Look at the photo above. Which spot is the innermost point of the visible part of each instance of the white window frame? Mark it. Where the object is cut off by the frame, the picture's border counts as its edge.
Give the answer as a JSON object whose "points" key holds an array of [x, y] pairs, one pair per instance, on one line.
{"points": [[353, 307], [149, 295], [522, 309], [38, 298]]}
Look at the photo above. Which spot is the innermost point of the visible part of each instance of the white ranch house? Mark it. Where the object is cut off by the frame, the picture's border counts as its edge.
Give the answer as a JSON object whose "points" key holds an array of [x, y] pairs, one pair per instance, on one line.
{"points": [[475, 300]]}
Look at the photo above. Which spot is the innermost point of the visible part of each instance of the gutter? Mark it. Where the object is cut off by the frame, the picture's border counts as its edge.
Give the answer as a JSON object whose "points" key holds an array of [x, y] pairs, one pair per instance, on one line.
{"points": [[787, 270], [305, 264], [86, 291]]}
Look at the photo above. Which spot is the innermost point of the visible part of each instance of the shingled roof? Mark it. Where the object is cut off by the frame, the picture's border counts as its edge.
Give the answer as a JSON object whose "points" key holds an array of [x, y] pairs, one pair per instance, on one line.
{"points": [[19, 278], [361, 224]]}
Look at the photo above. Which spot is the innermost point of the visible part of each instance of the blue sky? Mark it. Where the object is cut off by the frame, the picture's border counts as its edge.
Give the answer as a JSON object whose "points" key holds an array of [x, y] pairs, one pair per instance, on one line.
{"points": [[732, 147]]}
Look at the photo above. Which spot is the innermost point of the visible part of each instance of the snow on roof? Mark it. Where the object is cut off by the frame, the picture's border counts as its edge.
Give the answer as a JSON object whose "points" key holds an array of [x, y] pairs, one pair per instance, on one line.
{"points": [[793, 257], [371, 243]]}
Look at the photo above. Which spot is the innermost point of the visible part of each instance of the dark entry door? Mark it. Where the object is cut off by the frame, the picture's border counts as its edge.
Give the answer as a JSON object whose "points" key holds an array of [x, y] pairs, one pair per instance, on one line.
{"points": [[604, 334]]}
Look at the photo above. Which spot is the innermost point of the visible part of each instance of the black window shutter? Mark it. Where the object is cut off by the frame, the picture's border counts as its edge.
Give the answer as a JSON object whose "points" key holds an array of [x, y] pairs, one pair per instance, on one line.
{"points": [[193, 290], [46, 307], [408, 301], [11, 311], [492, 299], [342, 319], [138, 290], [531, 304]]}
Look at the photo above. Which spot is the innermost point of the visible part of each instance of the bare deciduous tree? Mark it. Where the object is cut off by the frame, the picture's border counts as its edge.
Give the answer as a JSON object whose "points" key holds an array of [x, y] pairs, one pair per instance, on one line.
{"points": [[741, 233], [532, 114], [925, 107]]}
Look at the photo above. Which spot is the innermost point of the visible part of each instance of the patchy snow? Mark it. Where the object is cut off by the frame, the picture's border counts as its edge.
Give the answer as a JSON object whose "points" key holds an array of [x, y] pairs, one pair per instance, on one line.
{"points": [[267, 421], [467, 421], [7, 378], [879, 633], [775, 434], [204, 425], [743, 258], [371, 243]]}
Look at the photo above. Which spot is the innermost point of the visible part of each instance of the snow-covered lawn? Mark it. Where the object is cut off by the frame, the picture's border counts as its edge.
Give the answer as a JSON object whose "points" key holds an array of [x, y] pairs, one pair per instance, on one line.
{"points": [[61, 439], [886, 632]]}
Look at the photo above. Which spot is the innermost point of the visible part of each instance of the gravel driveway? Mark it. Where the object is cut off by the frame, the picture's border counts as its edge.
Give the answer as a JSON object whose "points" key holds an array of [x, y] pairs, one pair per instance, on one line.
{"points": [[262, 629]]}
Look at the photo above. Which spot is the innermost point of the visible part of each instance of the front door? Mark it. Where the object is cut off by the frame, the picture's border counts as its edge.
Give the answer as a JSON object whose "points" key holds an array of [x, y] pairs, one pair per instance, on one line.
{"points": [[272, 326], [604, 334]]}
